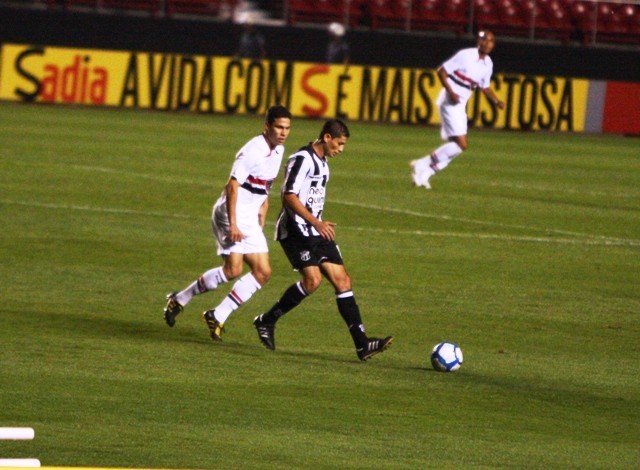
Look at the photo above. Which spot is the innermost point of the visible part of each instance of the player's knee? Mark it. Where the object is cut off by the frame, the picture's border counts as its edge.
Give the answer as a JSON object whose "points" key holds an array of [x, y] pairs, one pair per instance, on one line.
{"points": [[310, 284], [460, 141], [232, 271], [262, 275], [342, 284]]}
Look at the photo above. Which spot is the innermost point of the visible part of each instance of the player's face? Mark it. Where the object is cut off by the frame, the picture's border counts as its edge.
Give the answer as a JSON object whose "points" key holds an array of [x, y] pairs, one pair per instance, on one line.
{"points": [[333, 147], [486, 43], [277, 133]]}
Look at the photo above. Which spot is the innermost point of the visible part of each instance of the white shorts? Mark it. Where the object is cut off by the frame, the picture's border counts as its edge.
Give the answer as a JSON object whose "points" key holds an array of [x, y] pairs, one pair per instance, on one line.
{"points": [[252, 244], [254, 241], [452, 116]]}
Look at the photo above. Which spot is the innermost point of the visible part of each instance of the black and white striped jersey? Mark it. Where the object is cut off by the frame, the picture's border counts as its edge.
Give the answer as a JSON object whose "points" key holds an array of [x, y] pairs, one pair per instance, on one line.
{"points": [[306, 176]]}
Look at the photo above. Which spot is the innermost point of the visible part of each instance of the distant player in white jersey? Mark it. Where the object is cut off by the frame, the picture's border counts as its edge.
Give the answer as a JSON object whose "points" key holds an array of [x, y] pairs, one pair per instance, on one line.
{"points": [[467, 70], [309, 242], [238, 221]]}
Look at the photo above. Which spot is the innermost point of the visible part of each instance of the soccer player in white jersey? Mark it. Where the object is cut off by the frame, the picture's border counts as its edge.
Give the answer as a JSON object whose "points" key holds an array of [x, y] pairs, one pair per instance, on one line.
{"points": [[309, 242], [238, 221], [467, 70]]}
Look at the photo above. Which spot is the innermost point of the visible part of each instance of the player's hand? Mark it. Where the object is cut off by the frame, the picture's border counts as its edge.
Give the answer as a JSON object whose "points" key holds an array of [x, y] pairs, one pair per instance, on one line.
{"points": [[235, 234], [500, 104], [325, 229]]}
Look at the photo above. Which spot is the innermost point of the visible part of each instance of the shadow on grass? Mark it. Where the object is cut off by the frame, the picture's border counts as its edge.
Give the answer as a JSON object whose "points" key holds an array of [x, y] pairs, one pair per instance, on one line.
{"points": [[93, 325]]}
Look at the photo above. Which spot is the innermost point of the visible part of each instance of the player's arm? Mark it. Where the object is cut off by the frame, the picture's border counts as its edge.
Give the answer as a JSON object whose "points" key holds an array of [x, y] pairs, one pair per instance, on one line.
{"points": [[491, 96], [232, 202], [325, 229], [443, 75], [262, 213]]}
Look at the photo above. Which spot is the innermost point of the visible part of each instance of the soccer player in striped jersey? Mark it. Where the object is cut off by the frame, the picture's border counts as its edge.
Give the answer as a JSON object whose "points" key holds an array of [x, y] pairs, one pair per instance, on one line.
{"points": [[238, 221], [309, 242], [467, 70]]}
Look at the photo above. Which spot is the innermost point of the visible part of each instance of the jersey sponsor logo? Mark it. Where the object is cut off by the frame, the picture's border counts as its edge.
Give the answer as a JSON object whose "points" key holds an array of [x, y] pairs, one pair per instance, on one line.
{"points": [[315, 198]]}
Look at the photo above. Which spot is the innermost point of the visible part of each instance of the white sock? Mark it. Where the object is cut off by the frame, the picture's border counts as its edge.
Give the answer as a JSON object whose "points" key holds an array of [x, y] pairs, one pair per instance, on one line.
{"points": [[443, 155], [242, 291], [208, 281]]}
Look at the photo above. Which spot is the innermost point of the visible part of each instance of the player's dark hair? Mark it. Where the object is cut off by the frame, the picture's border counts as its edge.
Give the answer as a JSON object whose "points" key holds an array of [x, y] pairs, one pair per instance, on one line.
{"points": [[276, 112], [335, 128]]}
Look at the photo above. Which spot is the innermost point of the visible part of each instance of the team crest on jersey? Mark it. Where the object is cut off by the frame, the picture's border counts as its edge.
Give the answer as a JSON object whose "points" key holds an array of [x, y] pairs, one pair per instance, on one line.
{"points": [[305, 256]]}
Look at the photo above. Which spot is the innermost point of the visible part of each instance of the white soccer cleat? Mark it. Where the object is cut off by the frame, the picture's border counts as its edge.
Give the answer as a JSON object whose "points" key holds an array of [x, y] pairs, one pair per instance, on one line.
{"points": [[418, 176]]}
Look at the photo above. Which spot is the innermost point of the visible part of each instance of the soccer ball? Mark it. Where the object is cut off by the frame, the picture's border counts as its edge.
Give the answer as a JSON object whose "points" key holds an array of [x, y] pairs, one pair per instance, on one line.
{"points": [[446, 357]]}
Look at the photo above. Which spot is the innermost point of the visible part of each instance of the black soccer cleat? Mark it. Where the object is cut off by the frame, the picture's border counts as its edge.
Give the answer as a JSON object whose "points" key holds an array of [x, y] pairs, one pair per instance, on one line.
{"points": [[265, 332], [172, 309], [215, 327], [373, 347]]}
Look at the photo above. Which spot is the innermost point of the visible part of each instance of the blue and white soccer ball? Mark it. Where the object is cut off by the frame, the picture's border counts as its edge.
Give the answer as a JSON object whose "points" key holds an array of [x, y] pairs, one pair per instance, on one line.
{"points": [[446, 357]]}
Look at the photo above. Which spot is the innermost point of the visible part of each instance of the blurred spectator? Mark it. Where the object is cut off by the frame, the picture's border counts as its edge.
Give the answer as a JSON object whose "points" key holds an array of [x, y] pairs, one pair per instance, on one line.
{"points": [[251, 44], [338, 48]]}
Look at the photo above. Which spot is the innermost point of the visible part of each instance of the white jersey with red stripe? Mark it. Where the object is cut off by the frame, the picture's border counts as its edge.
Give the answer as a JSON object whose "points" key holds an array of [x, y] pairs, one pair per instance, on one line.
{"points": [[467, 71], [256, 167]]}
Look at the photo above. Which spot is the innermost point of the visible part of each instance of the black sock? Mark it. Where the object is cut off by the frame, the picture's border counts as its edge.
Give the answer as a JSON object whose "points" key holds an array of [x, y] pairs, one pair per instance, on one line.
{"points": [[351, 314], [289, 300]]}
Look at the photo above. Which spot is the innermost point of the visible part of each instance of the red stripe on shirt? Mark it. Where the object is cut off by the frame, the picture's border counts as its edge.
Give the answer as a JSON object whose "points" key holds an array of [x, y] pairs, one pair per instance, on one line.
{"points": [[464, 78], [254, 180]]}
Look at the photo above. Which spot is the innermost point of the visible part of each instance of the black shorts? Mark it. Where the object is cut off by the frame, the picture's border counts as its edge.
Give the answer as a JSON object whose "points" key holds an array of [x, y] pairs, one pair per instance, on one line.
{"points": [[310, 251]]}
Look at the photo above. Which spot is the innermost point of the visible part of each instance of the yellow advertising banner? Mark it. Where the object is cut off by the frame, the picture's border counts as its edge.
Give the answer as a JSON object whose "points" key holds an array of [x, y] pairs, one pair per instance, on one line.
{"points": [[227, 85]]}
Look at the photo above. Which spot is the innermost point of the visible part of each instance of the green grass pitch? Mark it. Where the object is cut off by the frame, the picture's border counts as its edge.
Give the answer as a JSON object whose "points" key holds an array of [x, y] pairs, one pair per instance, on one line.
{"points": [[526, 253]]}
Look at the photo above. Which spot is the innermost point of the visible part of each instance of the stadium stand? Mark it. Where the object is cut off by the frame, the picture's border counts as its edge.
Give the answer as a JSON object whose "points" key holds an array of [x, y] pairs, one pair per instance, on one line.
{"points": [[442, 15], [503, 17], [540, 19], [586, 21], [607, 22], [200, 7], [325, 11], [390, 14], [552, 19], [151, 6]]}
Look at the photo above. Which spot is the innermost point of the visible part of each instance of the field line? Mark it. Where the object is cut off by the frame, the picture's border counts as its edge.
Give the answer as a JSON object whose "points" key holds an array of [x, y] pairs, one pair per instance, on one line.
{"points": [[485, 222], [496, 236], [94, 209], [572, 191], [130, 174], [595, 240]]}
